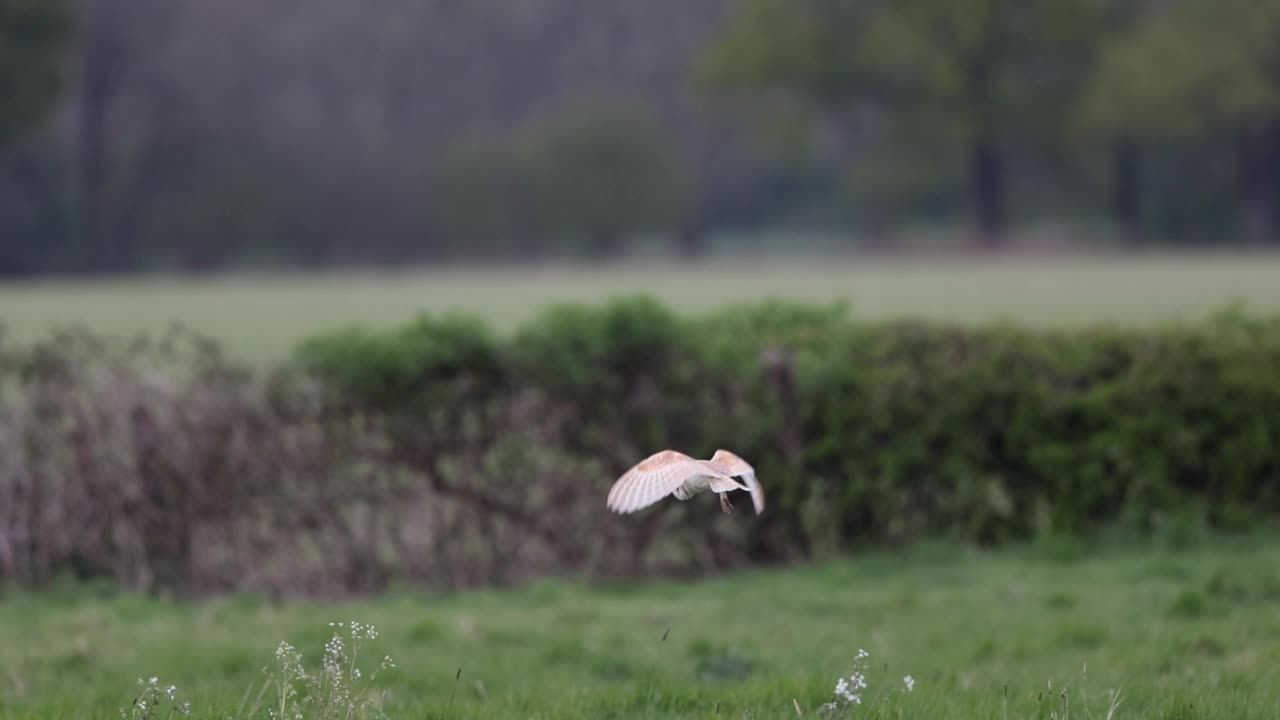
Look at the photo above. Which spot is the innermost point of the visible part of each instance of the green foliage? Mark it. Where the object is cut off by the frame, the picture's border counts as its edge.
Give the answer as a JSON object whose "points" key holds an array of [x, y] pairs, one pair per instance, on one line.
{"points": [[580, 352], [609, 174], [226, 199], [899, 430], [862, 432], [1196, 78], [734, 336], [812, 48], [976, 76], [35, 37], [1199, 67], [486, 192], [588, 177], [1001, 433], [426, 361], [963, 96]]}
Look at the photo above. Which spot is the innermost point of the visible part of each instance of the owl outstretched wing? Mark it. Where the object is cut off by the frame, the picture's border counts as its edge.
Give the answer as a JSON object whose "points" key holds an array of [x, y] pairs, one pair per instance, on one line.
{"points": [[654, 478], [734, 466]]}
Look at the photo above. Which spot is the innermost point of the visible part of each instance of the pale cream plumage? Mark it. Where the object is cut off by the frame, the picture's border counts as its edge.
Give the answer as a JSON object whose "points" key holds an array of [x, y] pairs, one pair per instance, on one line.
{"points": [[673, 473]]}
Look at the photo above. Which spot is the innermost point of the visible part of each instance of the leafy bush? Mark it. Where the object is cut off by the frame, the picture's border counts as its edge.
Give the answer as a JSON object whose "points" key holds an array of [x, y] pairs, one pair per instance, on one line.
{"points": [[425, 364], [441, 452], [905, 429]]}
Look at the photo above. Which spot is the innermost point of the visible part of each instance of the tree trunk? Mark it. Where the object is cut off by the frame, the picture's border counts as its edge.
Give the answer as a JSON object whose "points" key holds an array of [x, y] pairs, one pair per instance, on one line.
{"points": [[1258, 184], [691, 236], [1126, 187], [97, 72], [33, 248], [986, 170], [606, 244], [92, 176], [988, 178]]}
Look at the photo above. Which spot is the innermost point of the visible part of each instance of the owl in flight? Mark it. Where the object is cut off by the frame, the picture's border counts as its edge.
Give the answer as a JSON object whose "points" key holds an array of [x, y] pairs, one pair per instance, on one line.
{"points": [[673, 473]]}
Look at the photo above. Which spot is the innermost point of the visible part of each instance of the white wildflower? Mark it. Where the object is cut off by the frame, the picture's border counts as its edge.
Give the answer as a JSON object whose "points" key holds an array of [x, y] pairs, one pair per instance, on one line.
{"points": [[849, 690], [845, 688], [858, 681]]}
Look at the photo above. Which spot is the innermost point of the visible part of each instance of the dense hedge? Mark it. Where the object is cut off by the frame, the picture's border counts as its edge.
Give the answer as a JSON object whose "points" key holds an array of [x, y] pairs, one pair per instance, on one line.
{"points": [[893, 430], [441, 452]]}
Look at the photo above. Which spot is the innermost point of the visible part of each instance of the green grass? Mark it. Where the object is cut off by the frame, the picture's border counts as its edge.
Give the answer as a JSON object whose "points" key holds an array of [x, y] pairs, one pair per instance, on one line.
{"points": [[1188, 633], [263, 316]]}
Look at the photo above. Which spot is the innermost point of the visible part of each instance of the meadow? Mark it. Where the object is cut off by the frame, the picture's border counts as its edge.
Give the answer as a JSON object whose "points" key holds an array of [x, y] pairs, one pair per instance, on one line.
{"points": [[263, 316], [1180, 627]]}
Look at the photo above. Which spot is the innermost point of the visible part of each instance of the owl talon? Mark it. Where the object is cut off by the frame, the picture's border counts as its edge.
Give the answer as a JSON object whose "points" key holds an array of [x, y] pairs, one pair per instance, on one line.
{"points": [[725, 504]]}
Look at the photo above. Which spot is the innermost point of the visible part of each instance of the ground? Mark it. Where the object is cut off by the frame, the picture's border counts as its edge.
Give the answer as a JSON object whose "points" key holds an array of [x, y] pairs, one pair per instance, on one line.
{"points": [[1183, 627], [263, 316]]}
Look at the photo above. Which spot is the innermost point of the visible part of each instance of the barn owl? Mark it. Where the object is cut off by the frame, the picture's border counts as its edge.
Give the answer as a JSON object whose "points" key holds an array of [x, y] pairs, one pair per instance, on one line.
{"points": [[673, 473]]}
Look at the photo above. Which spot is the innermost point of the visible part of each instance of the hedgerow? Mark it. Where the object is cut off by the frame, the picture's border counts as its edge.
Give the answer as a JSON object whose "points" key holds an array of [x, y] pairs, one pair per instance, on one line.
{"points": [[441, 452]]}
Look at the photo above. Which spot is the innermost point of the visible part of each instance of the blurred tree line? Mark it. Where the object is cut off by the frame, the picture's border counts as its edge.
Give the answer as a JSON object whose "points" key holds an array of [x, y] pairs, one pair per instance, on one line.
{"points": [[139, 134], [1163, 113]]}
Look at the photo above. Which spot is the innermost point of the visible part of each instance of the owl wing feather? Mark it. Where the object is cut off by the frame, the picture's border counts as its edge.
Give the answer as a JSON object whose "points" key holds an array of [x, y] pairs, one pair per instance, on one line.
{"points": [[734, 466], [654, 478], [730, 464]]}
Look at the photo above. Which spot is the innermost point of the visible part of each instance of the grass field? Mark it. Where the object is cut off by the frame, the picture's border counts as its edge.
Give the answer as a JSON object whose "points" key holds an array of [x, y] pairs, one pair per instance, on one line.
{"points": [[263, 316], [1185, 630]]}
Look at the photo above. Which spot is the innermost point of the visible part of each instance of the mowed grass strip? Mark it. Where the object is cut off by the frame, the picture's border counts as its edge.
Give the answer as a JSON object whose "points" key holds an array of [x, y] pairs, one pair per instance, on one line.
{"points": [[1181, 631], [262, 316]]}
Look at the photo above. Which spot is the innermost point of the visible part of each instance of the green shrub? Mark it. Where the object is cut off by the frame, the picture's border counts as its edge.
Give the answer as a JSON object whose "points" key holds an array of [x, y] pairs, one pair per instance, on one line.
{"points": [[441, 452], [901, 430], [411, 370]]}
